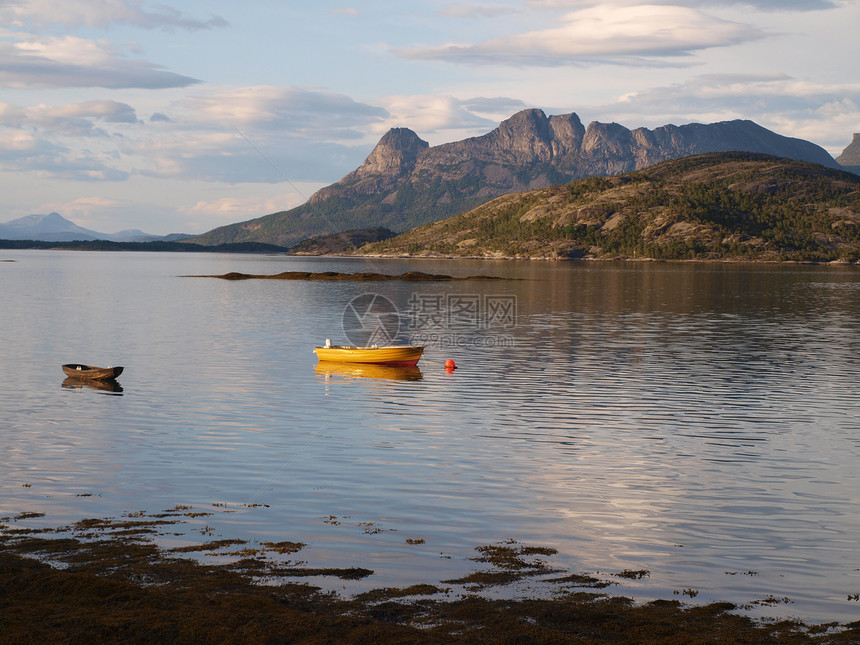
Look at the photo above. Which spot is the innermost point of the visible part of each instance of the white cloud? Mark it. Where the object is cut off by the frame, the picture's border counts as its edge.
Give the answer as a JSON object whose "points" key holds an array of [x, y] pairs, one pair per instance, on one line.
{"points": [[430, 115], [46, 140], [72, 120], [762, 5], [302, 112], [71, 14], [110, 111], [772, 5], [24, 153], [33, 61], [232, 208], [230, 135], [600, 34], [256, 134], [17, 144], [83, 207]]}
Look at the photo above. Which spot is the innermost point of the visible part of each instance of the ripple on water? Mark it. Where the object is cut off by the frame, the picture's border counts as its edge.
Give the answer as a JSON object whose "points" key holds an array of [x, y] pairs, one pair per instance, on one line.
{"points": [[688, 420]]}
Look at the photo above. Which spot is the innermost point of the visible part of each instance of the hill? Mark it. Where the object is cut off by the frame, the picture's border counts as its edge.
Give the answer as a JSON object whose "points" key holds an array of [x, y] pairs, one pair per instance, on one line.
{"points": [[341, 242], [405, 182], [740, 206]]}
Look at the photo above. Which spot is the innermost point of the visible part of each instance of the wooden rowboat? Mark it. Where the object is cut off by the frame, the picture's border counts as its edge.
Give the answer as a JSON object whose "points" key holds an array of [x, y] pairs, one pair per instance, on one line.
{"points": [[91, 373], [404, 355]]}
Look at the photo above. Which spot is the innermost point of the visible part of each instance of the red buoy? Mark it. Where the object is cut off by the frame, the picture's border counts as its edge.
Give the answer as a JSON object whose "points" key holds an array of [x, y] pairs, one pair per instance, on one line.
{"points": [[450, 364]]}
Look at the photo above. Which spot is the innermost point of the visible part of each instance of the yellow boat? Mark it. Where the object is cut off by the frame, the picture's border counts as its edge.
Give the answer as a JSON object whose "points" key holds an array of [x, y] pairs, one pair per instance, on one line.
{"points": [[404, 355]]}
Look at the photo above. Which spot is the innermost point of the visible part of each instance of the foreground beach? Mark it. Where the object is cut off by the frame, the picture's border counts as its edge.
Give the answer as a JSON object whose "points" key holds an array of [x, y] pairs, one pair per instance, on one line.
{"points": [[111, 584]]}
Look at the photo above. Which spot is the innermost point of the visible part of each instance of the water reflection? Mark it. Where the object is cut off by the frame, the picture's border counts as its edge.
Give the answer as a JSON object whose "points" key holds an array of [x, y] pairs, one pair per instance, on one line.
{"points": [[691, 420], [106, 387], [331, 369]]}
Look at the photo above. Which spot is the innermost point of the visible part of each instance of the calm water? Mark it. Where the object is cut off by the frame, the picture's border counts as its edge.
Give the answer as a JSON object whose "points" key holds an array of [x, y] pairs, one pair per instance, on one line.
{"points": [[700, 422]]}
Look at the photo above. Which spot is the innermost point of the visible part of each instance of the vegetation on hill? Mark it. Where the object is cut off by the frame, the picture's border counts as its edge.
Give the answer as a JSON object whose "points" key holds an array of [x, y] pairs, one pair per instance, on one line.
{"points": [[741, 206], [341, 242], [399, 211]]}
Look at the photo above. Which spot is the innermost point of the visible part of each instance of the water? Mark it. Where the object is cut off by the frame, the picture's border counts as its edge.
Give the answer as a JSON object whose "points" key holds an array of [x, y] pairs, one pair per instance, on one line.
{"points": [[698, 421]]}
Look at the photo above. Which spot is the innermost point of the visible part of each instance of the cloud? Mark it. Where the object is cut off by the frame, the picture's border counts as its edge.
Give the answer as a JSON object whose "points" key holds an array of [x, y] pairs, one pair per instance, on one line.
{"points": [[495, 105], [16, 147], [232, 159], [600, 34], [231, 135], [762, 5], [48, 141], [22, 151], [83, 207], [778, 5], [302, 112], [71, 14], [108, 111], [257, 134], [232, 208], [428, 115], [30, 61], [77, 119], [740, 92]]}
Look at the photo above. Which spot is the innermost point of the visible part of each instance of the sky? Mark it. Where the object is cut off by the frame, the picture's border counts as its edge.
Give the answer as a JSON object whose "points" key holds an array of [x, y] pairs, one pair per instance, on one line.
{"points": [[179, 117]]}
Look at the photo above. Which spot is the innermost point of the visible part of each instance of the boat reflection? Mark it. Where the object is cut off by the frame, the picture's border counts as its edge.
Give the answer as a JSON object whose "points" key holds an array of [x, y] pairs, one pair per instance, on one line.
{"points": [[328, 369], [108, 387]]}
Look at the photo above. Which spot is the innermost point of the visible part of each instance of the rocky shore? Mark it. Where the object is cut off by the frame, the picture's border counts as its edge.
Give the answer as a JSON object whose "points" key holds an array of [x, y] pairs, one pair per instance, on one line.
{"points": [[107, 581]]}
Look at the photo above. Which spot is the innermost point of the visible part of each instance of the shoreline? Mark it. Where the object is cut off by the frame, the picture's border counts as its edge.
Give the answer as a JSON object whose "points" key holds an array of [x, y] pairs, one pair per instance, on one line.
{"points": [[444, 256], [733, 261], [106, 580]]}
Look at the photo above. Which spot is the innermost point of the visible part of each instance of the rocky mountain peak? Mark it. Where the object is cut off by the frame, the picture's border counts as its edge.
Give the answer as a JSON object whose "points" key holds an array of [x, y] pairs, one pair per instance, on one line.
{"points": [[851, 155], [527, 137], [395, 154], [526, 134]]}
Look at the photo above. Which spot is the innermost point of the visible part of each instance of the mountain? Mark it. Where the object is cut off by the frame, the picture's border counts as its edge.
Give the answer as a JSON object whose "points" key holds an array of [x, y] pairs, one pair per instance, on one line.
{"points": [[405, 182], [850, 157], [53, 227], [731, 205], [136, 235]]}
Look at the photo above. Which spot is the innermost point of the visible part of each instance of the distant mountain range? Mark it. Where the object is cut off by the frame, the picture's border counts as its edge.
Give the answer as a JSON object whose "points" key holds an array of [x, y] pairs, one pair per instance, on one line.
{"points": [[405, 182], [53, 227], [717, 206]]}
